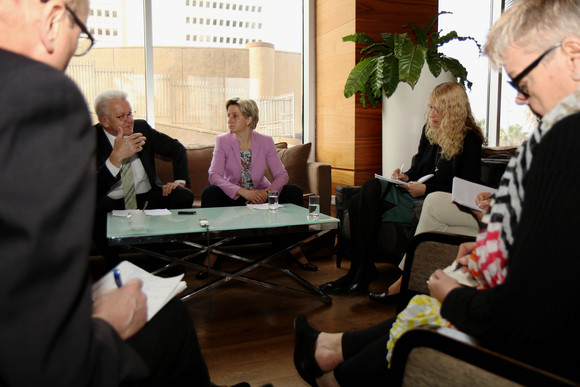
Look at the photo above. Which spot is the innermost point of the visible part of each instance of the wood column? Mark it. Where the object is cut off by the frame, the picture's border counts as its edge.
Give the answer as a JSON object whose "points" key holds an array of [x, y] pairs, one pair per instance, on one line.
{"points": [[348, 137]]}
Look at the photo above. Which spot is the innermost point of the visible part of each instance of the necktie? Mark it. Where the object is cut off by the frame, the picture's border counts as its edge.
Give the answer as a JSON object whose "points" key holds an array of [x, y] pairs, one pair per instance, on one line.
{"points": [[128, 185]]}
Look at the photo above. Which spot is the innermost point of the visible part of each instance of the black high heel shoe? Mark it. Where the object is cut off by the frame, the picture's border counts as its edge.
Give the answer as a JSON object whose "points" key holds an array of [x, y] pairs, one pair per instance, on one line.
{"points": [[290, 259], [204, 274], [304, 348]]}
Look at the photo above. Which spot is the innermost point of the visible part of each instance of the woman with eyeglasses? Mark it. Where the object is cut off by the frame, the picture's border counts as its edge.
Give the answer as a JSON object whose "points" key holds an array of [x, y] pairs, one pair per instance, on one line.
{"points": [[528, 310], [450, 146]]}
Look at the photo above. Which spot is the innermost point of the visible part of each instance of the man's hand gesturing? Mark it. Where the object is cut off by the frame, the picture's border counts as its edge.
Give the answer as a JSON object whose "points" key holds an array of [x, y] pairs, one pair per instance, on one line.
{"points": [[126, 146]]}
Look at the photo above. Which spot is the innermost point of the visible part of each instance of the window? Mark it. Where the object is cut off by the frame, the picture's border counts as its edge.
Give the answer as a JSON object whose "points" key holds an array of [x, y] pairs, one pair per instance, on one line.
{"points": [[188, 99], [488, 101]]}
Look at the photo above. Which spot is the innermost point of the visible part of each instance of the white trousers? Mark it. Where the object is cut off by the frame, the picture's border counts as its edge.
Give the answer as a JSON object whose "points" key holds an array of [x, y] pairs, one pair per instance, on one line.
{"points": [[440, 214]]}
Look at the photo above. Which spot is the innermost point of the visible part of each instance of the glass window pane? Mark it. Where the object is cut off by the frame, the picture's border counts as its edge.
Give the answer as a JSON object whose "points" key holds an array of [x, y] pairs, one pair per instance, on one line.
{"points": [[194, 78], [516, 121], [463, 22], [116, 60], [200, 62]]}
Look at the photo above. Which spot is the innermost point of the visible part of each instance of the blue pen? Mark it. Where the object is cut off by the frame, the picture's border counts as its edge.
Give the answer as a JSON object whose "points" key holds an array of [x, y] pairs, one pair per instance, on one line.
{"points": [[492, 196], [117, 274]]}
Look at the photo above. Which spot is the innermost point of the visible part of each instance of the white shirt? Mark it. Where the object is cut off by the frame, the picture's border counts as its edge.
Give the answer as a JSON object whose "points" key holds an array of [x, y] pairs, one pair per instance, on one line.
{"points": [[142, 184]]}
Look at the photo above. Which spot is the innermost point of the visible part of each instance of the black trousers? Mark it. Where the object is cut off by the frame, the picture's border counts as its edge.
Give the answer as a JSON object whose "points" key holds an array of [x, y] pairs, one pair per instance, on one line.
{"points": [[213, 196], [180, 197], [168, 344], [365, 211], [365, 357]]}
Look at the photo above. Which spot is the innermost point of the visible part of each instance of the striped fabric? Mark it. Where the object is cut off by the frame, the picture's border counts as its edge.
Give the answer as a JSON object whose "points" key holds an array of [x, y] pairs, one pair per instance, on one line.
{"points": [[128, 185]]}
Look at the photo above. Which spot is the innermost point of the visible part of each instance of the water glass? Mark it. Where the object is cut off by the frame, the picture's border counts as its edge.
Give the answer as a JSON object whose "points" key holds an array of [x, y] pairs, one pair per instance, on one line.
{"points": [[273, 201], [314, 206], [137, 219]]}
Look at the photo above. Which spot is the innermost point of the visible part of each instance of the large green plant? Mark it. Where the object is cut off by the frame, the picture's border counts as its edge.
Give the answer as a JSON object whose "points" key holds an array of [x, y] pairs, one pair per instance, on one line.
{"points": [[400, 58]]}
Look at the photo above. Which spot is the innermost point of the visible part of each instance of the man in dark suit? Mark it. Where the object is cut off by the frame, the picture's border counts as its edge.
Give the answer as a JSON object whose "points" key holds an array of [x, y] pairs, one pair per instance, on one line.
{"points": [[121, 138], [51, 331]]}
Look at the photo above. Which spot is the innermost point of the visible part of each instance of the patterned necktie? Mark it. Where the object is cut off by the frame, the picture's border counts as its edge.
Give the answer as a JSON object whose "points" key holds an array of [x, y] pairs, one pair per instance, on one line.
{"points": [[128, 185]]}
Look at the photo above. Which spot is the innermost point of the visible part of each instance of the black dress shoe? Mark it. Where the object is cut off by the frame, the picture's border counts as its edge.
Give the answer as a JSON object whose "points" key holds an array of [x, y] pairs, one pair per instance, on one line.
{"points": [[307, 266], [358, 287], [384, 298], [340, 286], [304, 348]]}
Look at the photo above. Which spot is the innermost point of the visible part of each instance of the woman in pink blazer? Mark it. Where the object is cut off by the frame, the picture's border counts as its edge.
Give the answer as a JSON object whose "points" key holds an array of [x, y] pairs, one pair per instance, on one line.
{"points": [[238, 167]]}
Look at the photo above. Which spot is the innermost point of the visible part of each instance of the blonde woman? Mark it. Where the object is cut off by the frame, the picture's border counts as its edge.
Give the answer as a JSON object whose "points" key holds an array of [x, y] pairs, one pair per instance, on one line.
{"points": [[238, 167], [450, 146]]}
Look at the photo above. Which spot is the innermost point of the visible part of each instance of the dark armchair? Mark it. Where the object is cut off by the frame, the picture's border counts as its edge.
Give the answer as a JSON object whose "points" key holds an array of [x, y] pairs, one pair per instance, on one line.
{"points": [[435, 356]]}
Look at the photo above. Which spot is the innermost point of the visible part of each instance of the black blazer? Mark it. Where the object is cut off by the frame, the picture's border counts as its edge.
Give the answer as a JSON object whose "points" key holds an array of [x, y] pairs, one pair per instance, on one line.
{"points": [[156, 143], [47, 335]]}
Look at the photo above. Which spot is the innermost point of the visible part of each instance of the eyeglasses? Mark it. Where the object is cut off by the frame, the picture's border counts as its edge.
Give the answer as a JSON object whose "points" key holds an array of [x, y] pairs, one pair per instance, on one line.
{"points": [[86, 40], [123, 116], [514, 82]]}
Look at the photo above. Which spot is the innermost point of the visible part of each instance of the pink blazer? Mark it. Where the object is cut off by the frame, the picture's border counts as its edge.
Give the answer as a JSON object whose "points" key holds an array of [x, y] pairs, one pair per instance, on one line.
{"points": [[226, 164]]}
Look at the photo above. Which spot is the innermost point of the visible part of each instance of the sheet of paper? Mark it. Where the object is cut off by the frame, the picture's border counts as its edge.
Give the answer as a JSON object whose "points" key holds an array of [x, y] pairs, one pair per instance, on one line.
{"points": [[464, 278], [156, 212], [159, 290], [400, 182], [263, 206], [394, 181], [464, 192]]}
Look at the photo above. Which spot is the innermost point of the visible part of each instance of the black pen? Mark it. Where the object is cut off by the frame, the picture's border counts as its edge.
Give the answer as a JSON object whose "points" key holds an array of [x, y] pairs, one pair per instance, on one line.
{"points": [[117, 275], [459, 266]]}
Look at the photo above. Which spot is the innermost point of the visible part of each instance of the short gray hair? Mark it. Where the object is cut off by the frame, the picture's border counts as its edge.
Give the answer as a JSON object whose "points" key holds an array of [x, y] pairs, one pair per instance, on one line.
{"points": [[248, 107], [102, 100], [536, 24]]}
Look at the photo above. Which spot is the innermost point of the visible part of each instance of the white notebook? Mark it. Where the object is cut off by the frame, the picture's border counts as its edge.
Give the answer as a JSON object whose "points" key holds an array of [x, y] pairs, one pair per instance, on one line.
{"points": [[159, 290], [401, 182], [465, 192]]}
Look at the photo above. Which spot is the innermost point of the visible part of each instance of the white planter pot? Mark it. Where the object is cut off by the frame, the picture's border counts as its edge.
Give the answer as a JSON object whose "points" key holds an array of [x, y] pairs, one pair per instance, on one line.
{"points": [[404, 117]]}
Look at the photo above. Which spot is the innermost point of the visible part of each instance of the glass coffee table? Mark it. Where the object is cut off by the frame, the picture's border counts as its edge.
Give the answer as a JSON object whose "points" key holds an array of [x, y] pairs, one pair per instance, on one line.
{"points": [[224, 224]]}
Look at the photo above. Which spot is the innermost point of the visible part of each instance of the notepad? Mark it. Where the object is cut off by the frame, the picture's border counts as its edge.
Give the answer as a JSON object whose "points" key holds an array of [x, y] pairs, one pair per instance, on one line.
{"points": [[401, 182], [464, 278], [464, 192], [159, 290]]}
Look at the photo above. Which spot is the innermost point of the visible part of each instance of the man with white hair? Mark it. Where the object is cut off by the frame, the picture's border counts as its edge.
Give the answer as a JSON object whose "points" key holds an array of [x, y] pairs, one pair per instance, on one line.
{"points": [[52, 333], [124, 141]]}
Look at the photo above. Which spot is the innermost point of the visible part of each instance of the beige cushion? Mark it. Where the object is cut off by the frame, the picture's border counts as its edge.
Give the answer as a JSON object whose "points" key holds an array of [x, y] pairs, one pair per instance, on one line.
{"points": [[294, 160]]}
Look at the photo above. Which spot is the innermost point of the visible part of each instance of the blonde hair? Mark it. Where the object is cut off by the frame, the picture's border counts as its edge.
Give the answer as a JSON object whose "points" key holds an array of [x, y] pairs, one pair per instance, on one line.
{"points": [[536, 24], [453, 106], [248, 107]]}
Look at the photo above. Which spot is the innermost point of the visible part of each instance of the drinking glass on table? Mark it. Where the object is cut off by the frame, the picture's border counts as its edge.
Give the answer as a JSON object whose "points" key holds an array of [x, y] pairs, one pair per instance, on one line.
{"points": [[273, 201], [314, 206]]}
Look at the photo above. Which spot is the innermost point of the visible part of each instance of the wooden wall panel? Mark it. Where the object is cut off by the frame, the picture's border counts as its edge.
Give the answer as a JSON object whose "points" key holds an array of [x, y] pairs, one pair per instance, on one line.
{"points": [[348, 136]]}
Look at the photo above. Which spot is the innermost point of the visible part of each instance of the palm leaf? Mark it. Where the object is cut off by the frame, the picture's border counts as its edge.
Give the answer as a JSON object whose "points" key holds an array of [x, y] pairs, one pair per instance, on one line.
{"points": [[360, 37], [433, 60], [358, 78], [411, 62], [457, 69], [390, 75]]}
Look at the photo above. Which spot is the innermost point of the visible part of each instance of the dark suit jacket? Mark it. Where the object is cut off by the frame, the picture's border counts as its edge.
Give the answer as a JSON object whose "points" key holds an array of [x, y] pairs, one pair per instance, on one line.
{"points": [[47, 335], [156, 143]]}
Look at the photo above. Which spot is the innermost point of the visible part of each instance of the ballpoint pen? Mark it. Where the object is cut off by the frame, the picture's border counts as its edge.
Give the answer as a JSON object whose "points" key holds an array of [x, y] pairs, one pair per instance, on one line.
{"points": [[402, 166], [117, 275]]}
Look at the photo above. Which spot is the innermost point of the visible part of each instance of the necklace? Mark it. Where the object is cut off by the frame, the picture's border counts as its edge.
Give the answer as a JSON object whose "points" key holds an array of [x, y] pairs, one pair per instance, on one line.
{"points": [[437, 158]]}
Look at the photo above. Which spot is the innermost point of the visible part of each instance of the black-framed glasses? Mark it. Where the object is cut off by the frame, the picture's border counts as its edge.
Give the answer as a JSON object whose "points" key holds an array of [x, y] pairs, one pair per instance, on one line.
{"points": [[123, 116], [86, 40], [515, 81]]}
